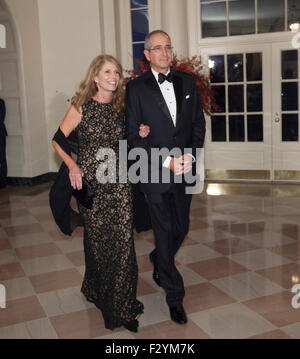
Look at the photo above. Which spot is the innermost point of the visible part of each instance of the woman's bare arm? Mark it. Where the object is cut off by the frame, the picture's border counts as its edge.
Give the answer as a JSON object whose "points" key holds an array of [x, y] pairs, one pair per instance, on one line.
{"points": [[70, 122]]}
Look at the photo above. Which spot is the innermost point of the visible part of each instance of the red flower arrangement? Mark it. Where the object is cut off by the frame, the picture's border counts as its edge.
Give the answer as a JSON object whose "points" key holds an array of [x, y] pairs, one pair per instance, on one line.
{"points": [[192, 66]]}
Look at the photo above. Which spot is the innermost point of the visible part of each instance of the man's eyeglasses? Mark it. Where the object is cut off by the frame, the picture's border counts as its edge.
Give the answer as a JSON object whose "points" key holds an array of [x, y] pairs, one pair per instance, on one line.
{"points": [[167, 48]]}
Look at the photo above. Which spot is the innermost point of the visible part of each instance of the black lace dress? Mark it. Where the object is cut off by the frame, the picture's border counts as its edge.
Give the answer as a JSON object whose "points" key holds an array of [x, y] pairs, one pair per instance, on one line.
{"points": [[111, 272]]}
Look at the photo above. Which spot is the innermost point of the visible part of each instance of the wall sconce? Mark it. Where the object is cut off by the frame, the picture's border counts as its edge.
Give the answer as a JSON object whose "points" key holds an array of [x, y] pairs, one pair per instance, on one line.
{"points": [[295, 24]]}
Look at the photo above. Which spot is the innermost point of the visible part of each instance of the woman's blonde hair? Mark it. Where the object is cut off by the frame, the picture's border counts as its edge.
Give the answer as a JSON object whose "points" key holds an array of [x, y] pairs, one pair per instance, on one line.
{"points": [[88, 87]]}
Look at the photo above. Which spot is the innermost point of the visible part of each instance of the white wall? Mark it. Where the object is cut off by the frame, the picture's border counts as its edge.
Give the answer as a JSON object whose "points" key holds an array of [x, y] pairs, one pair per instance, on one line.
{"points": [[70, 39], [57, 40]]}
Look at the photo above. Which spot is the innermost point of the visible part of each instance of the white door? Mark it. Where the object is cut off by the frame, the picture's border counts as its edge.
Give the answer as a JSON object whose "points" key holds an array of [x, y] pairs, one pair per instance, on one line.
{"points": [[239, 137], [285, 111], [10, 92]]}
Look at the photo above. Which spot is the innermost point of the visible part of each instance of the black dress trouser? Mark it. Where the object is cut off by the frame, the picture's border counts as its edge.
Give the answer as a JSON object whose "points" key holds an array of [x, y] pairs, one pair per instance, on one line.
{"points": [[169, 213]]}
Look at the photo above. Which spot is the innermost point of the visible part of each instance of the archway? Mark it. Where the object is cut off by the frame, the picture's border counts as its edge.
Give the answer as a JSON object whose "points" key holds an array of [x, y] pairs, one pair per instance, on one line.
{"points": [[10, 91]]}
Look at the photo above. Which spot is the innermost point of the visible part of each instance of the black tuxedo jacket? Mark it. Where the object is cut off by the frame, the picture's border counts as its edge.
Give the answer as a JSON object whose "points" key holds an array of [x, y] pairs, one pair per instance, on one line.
{"points": [[145, 104]]}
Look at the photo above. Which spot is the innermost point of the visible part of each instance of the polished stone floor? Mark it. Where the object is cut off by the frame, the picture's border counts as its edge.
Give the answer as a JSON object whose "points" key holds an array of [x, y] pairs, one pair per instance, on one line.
{"points": [[239, 262]]}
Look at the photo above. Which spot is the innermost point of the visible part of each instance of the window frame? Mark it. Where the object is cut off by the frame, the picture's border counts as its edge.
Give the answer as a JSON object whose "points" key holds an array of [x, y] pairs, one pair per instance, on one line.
{"points": [[137, 42], [201, 2]]}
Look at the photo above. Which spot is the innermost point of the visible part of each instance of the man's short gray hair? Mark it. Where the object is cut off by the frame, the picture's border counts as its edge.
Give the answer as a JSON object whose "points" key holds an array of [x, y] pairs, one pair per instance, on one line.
{"points": [[147, 44]]}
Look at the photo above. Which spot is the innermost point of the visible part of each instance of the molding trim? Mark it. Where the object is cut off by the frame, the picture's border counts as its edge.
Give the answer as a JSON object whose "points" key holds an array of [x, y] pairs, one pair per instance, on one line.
{"points": [[34, 181], [212, 176], [271, 38], [237, 174], [284, 175]]}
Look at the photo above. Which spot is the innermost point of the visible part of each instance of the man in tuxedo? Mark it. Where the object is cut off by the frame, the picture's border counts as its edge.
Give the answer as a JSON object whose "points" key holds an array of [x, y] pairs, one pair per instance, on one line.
{"points": [[168, 103]]}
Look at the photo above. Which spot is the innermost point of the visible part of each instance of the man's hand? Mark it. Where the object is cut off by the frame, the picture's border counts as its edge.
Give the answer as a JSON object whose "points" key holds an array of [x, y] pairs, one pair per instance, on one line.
{"points": [[182, 164]]}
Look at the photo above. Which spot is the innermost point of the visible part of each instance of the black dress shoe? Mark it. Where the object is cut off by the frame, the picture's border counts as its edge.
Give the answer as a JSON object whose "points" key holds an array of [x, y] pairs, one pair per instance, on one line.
{"points": [[178, 314], [132, 325], [155, 272]]}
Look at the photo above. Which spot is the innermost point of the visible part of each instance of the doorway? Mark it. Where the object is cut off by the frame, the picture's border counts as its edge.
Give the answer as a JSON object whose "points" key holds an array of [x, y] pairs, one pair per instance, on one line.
{"points": [[255, 133], [10, 92]]}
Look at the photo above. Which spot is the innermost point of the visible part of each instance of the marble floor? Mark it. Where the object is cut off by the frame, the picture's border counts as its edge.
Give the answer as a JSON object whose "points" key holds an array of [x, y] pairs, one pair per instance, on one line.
{"points": [[239, 262]]}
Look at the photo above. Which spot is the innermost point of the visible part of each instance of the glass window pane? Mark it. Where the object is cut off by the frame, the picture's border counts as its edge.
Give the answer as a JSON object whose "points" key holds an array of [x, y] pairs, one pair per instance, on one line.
{"points": [[236, 98], [290, 127], [236, 128], [218, 128], [219, 94], [235, 68], [270, 15], [213, 19], [293, 11], [254, 67], [241, 17], [138, 3], [289, 64], [289, 95], [255, 128], [139, 19], [138, 53], [216, 68], [254, 98]]}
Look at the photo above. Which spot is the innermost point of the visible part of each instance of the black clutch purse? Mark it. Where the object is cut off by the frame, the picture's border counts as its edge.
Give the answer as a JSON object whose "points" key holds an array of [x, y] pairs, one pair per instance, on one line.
{"points": [[85, 196]]}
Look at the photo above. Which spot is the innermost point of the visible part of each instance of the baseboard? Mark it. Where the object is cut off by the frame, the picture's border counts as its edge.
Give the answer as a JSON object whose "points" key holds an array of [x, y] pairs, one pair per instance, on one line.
{"points": [[31, 181]]}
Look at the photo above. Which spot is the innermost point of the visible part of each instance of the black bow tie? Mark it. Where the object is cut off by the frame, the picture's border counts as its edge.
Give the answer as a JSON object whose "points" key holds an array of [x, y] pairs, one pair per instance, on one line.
{"points": [[162, 77]]}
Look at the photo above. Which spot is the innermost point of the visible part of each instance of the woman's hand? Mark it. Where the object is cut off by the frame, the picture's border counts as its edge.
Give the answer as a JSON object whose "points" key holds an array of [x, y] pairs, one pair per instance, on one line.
{"points": [[144, 131], [75, 175]]}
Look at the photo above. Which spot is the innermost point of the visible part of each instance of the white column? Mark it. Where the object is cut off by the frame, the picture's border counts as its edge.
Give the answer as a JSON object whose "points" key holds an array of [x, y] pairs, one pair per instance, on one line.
{"points": [[174, 22], [108, 27], [123, 29], [154, 11], [193, 26]]}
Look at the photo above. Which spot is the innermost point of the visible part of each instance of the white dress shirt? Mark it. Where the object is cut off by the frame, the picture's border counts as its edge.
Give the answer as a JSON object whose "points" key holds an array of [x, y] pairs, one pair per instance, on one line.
{"points": [[167, 90]]}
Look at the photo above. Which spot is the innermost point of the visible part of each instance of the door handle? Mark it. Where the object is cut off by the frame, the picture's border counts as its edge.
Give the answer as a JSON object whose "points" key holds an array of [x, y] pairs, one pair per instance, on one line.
{"points": [[277, 118]]}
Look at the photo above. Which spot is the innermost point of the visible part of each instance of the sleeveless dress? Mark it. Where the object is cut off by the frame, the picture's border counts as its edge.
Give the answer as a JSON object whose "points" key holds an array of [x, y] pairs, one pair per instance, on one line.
{"points": [[111, 272]]}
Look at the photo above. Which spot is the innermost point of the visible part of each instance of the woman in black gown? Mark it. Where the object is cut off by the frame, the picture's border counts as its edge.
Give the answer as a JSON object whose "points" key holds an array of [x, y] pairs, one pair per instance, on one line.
{"points": [[97, 114]]}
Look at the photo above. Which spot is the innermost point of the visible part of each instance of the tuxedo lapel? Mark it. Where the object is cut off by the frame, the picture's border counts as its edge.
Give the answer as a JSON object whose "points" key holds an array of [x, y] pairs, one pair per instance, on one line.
{"points": [[177, 83], [154, 89]]}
